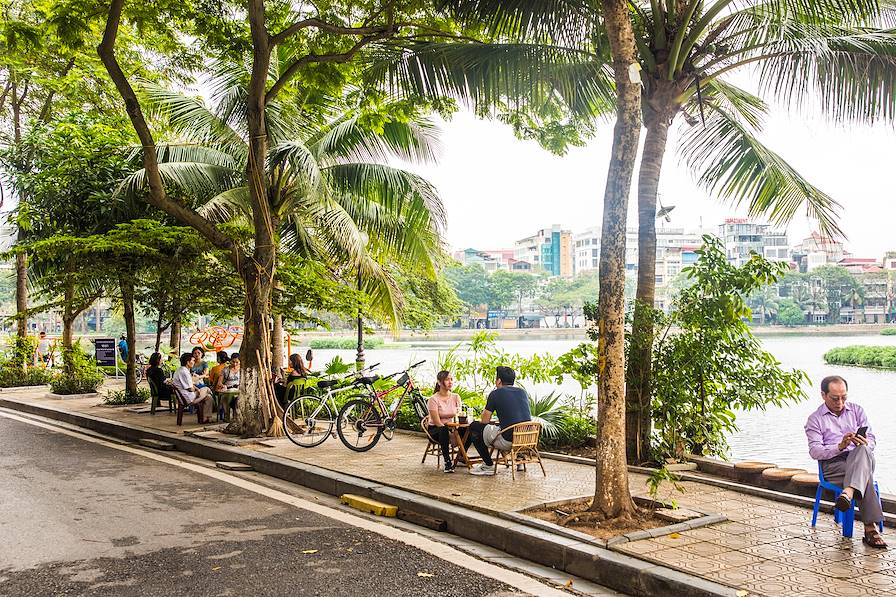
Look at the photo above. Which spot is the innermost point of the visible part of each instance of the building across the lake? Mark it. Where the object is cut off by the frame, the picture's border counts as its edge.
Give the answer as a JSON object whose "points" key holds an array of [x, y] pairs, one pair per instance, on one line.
{"points": [[549, 251]]}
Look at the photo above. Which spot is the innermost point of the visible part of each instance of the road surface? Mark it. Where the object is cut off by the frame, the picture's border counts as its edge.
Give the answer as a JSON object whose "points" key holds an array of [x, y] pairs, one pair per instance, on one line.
{"points": [[81, 516]]}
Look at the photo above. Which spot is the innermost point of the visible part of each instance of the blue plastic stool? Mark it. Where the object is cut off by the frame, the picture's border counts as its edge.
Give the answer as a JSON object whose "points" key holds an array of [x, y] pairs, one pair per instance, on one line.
{"points": [[846, 519]]}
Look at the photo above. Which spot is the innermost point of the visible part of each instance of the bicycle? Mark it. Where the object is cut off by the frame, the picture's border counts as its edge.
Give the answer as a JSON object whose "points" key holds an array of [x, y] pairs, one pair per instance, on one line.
{"points": [[309, 419], [363, 420]]}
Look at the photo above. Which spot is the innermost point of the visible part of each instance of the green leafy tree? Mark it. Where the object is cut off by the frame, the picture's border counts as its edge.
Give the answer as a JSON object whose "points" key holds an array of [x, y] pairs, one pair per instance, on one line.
{"points": [[712, 364], [790, 313], [471, 284]]}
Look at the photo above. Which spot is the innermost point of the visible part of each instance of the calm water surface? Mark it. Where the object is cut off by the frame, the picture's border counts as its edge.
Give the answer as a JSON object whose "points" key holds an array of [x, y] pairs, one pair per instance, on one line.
{"points": [[775, 435]]}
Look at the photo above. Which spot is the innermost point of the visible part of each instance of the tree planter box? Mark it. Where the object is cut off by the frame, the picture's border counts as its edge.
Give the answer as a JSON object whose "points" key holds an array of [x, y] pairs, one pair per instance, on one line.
{"points": [[53, 396]]}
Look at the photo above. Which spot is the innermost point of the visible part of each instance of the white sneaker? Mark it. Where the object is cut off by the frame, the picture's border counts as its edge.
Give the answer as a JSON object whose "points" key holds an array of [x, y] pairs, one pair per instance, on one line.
{"points": [[483, 469]]}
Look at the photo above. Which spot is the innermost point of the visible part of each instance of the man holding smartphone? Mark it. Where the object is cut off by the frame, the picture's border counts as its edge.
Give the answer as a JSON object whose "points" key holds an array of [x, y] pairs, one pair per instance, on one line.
{"points": [[840, 438]]}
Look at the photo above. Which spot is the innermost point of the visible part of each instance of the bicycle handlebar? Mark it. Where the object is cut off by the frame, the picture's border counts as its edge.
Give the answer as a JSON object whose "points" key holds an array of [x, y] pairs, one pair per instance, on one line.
{"points": [[415, 365]]}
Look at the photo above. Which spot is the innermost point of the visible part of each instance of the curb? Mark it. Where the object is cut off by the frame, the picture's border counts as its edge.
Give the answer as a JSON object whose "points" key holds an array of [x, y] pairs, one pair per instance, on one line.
{"points": [[615, 570]]}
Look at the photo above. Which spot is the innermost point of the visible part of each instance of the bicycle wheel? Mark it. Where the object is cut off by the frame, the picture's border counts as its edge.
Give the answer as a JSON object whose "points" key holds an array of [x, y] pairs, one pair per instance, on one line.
{"points": [[308, 421], [139, 372], [359, 425]]}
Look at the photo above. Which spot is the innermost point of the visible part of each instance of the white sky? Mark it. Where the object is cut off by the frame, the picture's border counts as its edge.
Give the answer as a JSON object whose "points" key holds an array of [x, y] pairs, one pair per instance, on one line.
{"points": [[497, 188]]}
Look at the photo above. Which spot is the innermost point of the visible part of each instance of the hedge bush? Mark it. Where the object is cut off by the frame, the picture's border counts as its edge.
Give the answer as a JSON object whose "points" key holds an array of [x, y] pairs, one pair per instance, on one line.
{"points": [[15, 369], [888, 332], [881, 357], [346, 343]]}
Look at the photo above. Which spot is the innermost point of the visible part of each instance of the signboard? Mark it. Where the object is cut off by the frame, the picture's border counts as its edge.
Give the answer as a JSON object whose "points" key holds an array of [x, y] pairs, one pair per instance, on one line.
{"points": [[495, 314], [105, 352]]}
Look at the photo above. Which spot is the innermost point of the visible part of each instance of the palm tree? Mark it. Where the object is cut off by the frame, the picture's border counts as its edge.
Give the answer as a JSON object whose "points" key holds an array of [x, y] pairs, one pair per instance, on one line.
{"points": [[328, 183], [834, 52], [766, 300]]}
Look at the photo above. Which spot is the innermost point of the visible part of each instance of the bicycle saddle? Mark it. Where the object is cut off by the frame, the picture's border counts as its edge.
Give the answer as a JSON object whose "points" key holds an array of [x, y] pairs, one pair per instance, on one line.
{"points": [[368, 380], [327, 383]]}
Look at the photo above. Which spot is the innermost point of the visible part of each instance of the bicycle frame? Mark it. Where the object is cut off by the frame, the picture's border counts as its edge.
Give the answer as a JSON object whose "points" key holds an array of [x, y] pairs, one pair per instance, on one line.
{"points": [[381, 404]]}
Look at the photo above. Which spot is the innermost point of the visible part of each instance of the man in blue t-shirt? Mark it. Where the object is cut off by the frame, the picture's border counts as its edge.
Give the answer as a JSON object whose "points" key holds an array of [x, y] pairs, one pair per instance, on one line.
{"points": [[512, 405], [123, 348]]}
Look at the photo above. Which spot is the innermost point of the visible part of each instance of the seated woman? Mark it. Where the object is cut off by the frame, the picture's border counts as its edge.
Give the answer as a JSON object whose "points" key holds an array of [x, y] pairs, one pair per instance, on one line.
{"points": [[194, 396], [297, 371], [443, 406], [230, 376], [215, 372], [158, 377], [199, 368]]}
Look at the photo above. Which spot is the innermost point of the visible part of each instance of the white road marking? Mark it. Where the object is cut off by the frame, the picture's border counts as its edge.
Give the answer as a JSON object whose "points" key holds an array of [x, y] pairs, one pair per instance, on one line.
{"points": [[440, 550]]}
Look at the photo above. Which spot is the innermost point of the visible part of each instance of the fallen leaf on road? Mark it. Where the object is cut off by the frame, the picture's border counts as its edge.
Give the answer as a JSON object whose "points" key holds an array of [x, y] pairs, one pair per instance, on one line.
{"points": [[568, 583], [674, 536], [456, 494], [309, 551], [216, 568], [425, 575]]}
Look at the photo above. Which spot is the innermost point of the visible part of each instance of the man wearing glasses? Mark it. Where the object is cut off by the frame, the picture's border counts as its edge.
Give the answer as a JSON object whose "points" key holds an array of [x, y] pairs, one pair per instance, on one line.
{"points": [[841, 439]]}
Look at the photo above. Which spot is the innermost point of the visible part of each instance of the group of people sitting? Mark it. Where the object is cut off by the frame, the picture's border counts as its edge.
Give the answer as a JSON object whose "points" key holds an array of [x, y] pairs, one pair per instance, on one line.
{"points": [[194, 379], [511, 403]]}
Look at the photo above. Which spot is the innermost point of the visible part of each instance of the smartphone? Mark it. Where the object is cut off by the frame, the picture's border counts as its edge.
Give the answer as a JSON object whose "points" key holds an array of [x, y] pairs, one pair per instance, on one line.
{"points": [[862, 431]]}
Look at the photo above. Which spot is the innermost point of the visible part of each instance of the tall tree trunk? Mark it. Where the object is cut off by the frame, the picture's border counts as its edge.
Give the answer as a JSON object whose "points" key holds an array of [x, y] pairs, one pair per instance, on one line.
{"points": [[174, 338], [68, 315], [21, 293], [638, 389], [612, 498], [277, 359], [257, 273], [127, 301], [159, 330]]}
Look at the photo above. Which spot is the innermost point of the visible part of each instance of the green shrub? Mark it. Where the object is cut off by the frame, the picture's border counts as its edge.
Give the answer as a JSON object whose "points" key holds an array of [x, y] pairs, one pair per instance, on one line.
{"points": [[123, 397], [79, 373], [888, 332], [15, 364], [346, 343], [881, 357]]}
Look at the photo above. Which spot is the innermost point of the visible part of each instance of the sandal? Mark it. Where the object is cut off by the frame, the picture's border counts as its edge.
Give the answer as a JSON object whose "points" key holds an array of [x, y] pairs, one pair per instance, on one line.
{"points": [[843, 503], [873, 539]]}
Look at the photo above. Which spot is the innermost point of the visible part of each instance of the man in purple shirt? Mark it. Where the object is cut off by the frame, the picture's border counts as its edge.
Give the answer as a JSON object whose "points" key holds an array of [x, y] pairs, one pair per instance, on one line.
{"points": [[847, 457]]}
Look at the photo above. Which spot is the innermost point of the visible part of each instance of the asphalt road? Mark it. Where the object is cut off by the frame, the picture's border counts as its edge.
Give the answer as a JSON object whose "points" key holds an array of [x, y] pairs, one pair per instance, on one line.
{"points": [[78, 518]]}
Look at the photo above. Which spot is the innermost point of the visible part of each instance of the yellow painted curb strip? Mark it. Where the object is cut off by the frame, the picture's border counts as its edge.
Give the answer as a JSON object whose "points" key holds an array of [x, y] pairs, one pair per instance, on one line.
{"points": [[368, 505]]}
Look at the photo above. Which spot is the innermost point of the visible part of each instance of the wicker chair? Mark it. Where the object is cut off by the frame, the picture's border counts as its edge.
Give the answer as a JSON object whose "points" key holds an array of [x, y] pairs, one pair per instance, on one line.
{"points": [[524, 448], [432, 447]]}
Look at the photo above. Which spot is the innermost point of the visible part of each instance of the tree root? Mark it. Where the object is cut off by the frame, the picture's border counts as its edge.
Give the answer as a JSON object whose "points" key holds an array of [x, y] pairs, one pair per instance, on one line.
{"points": [[582, 517]]}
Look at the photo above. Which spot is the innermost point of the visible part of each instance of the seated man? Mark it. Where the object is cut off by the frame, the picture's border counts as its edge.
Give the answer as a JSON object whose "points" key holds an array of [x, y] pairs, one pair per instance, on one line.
{"points": [[183, 380], [847, 458], [512, 405]]}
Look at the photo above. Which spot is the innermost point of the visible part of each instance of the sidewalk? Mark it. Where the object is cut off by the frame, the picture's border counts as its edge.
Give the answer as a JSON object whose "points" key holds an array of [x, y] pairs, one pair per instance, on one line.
{"points": [[765, 548]]}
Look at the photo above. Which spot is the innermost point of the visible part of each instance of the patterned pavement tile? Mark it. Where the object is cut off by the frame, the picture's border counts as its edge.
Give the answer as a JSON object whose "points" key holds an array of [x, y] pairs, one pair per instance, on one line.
{"points": [[703, 548], [640, 547], [736, 528], [738, 542], [876, 582], [842, 570], [770, 569], [771, 551], [675, 540]]}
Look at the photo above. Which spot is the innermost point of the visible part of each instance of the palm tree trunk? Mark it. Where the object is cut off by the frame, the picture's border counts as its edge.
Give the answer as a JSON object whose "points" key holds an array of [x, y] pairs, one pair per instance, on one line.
{"points": [[127, 301], [612, 498], [639, 389]]}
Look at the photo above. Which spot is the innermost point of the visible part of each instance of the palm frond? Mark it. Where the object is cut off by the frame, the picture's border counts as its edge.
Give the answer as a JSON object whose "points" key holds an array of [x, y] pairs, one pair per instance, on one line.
{"points": [[485, 75], [565, 21], [395, 189], [227, 205], [416, 140], [748, 107], [729, 160]]}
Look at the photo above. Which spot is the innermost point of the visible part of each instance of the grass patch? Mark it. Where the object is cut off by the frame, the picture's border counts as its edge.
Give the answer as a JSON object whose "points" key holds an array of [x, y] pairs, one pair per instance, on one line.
{"points": [[120, 397]]}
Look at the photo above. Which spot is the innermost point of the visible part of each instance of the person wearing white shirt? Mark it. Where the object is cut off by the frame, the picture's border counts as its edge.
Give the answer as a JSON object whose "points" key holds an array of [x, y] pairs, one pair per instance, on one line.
{"points": [[183, 380]]}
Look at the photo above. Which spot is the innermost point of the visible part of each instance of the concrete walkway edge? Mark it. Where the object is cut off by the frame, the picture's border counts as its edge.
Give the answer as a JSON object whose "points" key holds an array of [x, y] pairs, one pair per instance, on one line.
{"points": [[618, 571]]}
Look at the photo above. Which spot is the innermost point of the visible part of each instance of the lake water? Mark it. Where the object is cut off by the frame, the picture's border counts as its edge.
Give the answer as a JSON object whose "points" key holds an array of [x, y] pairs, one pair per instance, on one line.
{"points": [[775, 435]]}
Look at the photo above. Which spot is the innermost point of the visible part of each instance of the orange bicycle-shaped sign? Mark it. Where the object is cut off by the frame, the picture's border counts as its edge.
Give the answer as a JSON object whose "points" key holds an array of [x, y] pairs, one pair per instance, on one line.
{"points": [[217, 337]]}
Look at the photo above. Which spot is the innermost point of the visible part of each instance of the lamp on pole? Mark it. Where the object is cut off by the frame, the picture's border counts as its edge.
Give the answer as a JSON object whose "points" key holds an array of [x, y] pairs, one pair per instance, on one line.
{"points": [[359, 357]]}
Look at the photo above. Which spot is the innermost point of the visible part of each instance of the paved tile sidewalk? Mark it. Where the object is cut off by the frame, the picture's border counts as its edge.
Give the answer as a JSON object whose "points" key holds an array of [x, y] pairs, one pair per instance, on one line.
{"points": [[766, 548]]}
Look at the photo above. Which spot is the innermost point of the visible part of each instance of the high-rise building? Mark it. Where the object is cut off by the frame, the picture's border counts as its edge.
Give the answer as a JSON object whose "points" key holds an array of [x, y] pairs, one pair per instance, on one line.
{"points": [[586, 247], [742, 237], [549, 250]]}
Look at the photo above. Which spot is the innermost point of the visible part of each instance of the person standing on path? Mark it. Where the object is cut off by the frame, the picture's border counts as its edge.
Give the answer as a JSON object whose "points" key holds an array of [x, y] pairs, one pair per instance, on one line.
{"points": [[512, 405], [846, 456]]}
